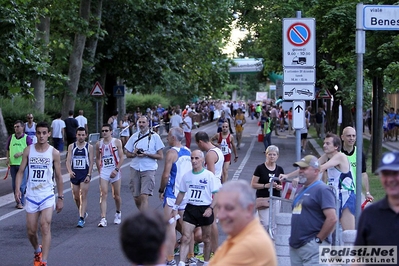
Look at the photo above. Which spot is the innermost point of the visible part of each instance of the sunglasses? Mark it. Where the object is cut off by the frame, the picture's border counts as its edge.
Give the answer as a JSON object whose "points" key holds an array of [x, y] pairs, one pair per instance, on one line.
{"points": [[106, 130], [30, 117]]}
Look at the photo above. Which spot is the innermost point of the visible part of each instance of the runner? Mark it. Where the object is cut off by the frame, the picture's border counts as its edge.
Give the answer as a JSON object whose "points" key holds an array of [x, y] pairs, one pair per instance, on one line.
{"points": [[79, 163], [239, 122], [42, 160], [109, 158], [225, 142]]}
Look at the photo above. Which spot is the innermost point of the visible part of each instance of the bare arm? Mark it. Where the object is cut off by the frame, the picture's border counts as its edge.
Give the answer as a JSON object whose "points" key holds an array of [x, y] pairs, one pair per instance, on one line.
{"points": [[157, 156], [68, 161], [98, 157], [20, 173], [338, 160], [91, 159], [210, 159], [58, 179], [365, 182], [215, 138], [329, 223], [171, 157]]}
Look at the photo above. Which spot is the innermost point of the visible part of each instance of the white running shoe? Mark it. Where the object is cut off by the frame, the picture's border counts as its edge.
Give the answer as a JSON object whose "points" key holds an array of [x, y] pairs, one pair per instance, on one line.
{"points": [[118, 217], [102, 223]]}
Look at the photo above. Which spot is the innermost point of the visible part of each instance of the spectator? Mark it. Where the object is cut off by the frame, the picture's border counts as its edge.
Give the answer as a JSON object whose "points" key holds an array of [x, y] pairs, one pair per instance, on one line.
{"points": [[82, 121], [58, 132], [71, 124]]}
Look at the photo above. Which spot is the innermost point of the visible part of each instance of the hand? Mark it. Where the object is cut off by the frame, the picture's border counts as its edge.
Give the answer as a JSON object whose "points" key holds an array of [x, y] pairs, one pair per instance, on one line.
{"points": [[235, 159], [295, 182], [283, 177], [113, 173], [173, 214], [17, 196], [369, 197], [161, 196], [208, 212], [18, 154], [72, 174], [278, 187], [87, 180], [59, 205]]}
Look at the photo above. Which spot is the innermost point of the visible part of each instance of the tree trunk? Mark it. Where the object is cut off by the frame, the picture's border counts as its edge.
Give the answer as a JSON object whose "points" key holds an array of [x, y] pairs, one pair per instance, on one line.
{"points": [[91, 45], [3, 135], [75, 62], [39, 85]]}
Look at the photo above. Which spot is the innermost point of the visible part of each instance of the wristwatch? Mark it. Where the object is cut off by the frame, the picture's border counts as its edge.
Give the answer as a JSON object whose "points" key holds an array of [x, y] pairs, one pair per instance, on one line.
{"points": [[318, 240]]}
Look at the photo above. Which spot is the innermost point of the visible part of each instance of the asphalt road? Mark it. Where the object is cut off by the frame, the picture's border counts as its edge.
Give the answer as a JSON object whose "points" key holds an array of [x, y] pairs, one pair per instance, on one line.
{"points": [[100, 246]]}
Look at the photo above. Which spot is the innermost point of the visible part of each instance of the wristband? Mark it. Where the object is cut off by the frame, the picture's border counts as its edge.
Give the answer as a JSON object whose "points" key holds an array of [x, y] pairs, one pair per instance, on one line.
{"points": [[161, 190], [175, 207], [117, 169], [61, 197], [210, 207], [89, 175], [367, 193]]}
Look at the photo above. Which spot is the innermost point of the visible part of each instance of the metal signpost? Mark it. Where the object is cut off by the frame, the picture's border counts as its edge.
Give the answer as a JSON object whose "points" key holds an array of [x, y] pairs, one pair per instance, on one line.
{"points": [[368, 17], [299, 60], [97, 90]]}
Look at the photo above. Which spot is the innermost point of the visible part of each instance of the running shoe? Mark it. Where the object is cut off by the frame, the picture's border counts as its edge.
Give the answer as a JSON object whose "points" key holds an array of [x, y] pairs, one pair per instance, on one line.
{"points": [[102, 223], [171, 263], [86, 214], [37, 261], [201, 258], [81, 223], [117, 219], [191, 262], [43, 263]]}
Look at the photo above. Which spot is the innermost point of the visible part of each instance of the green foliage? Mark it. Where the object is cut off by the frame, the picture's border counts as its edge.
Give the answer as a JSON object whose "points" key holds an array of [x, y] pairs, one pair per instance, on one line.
{"points": [[16, 109], [144, 101]]}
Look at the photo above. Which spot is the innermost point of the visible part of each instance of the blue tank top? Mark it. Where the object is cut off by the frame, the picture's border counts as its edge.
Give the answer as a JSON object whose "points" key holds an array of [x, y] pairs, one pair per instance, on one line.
{"points": [[179, 168], [80, 160]]}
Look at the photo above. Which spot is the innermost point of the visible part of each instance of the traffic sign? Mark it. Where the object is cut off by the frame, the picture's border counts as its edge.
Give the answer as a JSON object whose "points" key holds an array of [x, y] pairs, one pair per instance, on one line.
{"points": [[299, 42], [380, 17], [299, 75], [298, 114], [323, 94], [119, 91], [97, 90], [299, 92]]}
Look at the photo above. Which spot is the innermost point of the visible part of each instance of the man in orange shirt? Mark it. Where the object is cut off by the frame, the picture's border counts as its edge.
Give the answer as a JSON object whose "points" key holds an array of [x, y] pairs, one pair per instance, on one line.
{"points": [[247, 243]]}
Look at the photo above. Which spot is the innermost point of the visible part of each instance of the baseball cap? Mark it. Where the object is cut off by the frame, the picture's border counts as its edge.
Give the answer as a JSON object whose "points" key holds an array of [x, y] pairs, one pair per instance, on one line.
{"points": [[389, 161], [308, 160]]}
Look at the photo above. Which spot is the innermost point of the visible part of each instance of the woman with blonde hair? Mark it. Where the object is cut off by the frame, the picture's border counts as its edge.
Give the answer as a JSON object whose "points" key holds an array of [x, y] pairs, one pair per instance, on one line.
{"points": [[261, 182]]}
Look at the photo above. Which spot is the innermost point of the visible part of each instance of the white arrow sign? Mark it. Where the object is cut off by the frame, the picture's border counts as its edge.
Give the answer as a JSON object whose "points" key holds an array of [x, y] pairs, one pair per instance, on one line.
{"points": [[298, 114]]}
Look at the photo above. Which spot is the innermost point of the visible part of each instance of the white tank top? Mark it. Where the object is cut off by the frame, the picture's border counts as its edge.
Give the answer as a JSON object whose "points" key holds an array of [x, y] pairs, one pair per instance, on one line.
{"points": [[40, 179], [31, 132], [219, 163], [109, 158]]}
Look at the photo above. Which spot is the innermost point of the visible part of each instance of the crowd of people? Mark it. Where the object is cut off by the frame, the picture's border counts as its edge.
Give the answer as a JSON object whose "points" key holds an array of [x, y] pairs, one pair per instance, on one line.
{"points": [[194, 187]]}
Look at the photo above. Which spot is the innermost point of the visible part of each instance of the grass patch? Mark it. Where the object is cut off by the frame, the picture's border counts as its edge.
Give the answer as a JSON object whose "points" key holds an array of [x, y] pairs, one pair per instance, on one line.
{"points": [[374, 183]]}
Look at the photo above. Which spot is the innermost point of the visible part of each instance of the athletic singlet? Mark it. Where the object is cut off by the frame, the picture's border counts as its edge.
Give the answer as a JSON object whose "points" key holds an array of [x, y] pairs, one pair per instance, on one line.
{"points": [[40, 179], [199, 187], [179, 168], [31, 132], [339, 180], [219, 163], [225, 144], [80, 160], [109, 159]]}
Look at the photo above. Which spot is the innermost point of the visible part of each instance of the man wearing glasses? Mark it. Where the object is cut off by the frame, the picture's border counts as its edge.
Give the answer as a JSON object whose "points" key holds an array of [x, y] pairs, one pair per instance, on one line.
{"points": [[16, 144], [109, 159], [145, 147]]}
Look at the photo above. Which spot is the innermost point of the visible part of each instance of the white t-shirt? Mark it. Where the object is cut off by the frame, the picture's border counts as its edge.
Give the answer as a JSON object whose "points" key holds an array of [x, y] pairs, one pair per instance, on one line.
{"points": [[57, 125], [175, 121], [82, 121], [189, 122], [199, 187]]}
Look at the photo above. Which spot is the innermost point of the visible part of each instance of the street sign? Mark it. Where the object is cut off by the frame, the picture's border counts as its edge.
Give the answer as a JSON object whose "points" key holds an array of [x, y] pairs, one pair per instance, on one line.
{"points": [[299, 92], [298, 114], [119, 91], [299, 42], [380, 17], [299, 75], [97, 90], [323, 94]]}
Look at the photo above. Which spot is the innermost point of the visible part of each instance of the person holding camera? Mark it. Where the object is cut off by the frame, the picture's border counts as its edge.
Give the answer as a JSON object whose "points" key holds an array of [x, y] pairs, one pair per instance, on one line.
{"points": [[145, 147]]}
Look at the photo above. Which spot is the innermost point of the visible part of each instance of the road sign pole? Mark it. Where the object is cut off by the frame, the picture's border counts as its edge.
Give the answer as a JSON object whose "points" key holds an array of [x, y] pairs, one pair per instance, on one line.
{"points": [[360, 50], [97, 115]]}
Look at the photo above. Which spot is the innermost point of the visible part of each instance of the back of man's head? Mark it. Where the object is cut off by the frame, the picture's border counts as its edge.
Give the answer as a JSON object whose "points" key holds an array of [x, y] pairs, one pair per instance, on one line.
{"points": [[142, 236]]}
